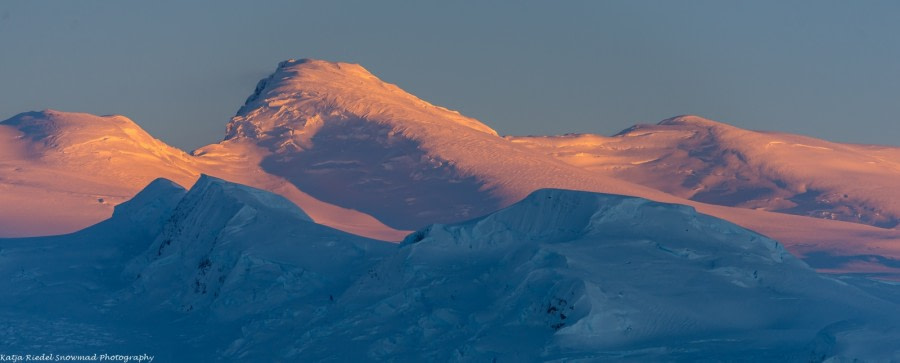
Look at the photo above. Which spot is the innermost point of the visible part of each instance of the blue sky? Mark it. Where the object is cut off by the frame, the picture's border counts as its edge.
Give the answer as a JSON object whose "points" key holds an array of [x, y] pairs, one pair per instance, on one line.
{"points": [[181, 69]]}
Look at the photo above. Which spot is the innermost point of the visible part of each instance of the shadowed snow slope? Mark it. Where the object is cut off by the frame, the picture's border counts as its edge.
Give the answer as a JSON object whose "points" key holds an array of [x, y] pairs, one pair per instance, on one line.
{"points": [[345, 137], [240, 274], [715, 163], [172, 272]]}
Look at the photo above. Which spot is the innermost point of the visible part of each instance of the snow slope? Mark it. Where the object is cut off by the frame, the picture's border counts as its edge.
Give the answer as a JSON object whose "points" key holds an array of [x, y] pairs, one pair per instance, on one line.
{"points": [[237, 273], [715, 163]]}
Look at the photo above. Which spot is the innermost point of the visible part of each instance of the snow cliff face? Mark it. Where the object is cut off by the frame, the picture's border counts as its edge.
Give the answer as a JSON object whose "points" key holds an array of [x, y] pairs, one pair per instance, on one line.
{"points": [[715, 163]]}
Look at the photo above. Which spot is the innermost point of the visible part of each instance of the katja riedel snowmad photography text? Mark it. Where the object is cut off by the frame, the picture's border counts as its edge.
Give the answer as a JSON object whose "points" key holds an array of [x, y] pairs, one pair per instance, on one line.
{"points": [[96, 357]]}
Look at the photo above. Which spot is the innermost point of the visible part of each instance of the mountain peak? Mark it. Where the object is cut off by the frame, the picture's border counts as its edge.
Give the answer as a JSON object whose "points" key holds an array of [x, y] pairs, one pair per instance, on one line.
{"points": [[160, 189], [210, 189], [302, 95], [74, 130], [692, 120], [309, 63], [62, 119]]}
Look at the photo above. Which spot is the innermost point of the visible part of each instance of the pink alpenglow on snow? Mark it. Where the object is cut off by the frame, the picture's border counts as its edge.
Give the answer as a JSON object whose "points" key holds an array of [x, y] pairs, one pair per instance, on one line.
{"points": [[363, 156]]}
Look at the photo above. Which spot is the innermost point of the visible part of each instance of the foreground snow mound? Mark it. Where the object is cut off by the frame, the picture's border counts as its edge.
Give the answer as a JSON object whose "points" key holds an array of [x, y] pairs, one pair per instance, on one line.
{"points": [[225, 240], [98, 252], [174, 272], [575, 275], [57, 289]]}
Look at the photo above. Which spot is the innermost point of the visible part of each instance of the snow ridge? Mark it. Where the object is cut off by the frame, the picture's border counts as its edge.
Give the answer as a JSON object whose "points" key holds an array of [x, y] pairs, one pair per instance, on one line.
{"points": [[224, 238], [566, 275]]}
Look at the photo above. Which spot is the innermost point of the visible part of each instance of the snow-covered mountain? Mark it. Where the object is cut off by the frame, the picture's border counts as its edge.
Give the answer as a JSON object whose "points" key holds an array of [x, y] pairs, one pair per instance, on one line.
{"points": [[715, 163], [345, 137], [60, 171], [224, 271], [340, 134], [363, 156], [63, 171], [224, 240]]}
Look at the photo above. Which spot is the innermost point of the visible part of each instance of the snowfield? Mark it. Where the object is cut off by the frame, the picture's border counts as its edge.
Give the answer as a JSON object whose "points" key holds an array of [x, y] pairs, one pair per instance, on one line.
{"points": [[226, 271]]}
